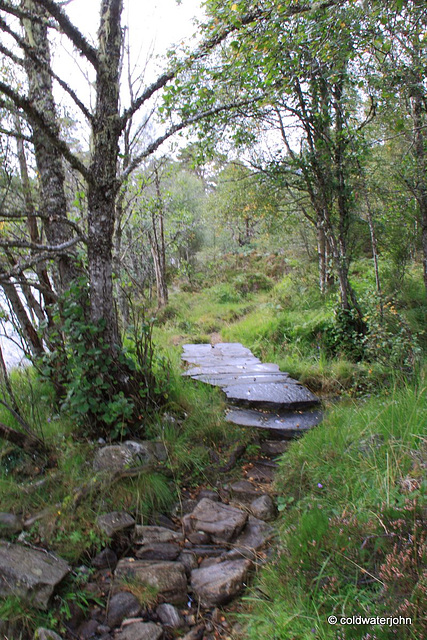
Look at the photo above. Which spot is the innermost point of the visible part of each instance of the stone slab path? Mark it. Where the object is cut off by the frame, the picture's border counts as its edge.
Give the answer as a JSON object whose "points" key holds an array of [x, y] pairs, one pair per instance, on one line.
{"points": [[266, 397]]}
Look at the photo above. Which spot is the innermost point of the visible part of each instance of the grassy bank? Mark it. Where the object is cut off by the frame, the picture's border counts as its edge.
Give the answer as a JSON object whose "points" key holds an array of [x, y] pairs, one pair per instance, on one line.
{"points": [[352, 526], [350, 493]]}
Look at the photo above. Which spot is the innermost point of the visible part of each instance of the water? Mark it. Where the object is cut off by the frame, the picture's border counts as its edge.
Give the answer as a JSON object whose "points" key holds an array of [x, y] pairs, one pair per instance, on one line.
{"points": [[10, 341]]}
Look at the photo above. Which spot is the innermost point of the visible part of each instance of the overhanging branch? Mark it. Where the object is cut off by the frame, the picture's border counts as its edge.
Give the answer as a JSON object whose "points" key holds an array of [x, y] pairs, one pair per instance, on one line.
{"points": [[38, 119], [71, 31]]}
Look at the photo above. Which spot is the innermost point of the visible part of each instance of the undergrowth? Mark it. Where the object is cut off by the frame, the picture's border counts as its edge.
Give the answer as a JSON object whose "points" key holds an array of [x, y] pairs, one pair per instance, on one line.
{"points": [[352, 527]]}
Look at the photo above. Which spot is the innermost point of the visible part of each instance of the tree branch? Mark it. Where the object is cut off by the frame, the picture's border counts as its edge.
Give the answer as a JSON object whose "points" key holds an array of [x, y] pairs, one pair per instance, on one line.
{"points": [[30, 53], [151, 148], [30, 444], [38, 118], [48, 248], [71, 31]]}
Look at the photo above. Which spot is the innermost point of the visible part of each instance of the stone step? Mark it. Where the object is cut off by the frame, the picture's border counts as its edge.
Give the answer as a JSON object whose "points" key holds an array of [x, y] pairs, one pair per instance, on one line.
{"points": [[253, 386], [233, 368], [279, 424], [227, 379], [271, 395]]}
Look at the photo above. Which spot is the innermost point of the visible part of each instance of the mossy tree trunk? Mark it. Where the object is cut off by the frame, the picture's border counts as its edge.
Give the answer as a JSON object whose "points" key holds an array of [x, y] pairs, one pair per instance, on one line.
{"points": [[103, 185]]}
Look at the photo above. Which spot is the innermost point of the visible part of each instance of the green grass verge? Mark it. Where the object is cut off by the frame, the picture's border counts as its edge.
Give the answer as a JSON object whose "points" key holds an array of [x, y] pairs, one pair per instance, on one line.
{"points": [[352, 535]]}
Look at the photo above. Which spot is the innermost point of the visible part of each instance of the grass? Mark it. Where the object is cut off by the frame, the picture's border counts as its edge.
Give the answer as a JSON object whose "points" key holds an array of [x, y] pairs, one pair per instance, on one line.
{"points": [[352, 494], [349, 491]]}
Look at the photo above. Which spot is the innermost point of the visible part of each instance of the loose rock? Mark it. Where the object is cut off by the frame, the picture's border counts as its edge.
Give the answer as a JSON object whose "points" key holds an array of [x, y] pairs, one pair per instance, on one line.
{"points": [[154, 534], [169, 616], [115, 522], [122, 605], [140, 631], [29, 574], [114, 458], [219, 583], [244, 491], [10, 524], [221, 521], [88, 630], [263, 508], [166, 577], [106, 559], [159, 551], [256, 534]]}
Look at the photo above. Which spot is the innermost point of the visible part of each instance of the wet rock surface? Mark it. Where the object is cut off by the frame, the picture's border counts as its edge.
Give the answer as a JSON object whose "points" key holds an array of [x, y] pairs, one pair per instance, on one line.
{"points": [[245, 380]]}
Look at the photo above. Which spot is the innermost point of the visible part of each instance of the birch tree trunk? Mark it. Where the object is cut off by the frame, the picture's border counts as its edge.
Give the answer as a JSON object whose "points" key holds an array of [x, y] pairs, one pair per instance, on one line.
{"points": [[420, 169], [48, 157], [103, 185]]}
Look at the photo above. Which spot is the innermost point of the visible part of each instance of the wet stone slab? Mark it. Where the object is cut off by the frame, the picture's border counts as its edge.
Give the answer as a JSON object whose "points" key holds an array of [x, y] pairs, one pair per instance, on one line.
{"points": [[287, 424], [289, 395], [232, 368], [249, 383], [228, 379], [222, 348]]}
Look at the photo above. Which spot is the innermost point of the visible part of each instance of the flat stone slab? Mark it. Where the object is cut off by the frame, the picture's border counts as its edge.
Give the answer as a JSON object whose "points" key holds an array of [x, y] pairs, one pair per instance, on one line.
{"points": [[236, 369], [228, 379], [249, 383], [230, 361], [281, 395], [287, 424], [221, 348], [30, 574]]}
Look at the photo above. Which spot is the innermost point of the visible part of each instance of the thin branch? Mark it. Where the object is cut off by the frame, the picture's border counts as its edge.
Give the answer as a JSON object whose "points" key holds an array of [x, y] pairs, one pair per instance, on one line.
{"points": [[30, 53], [21, 215], [151, 148], [71, 31], [21, 244], [39, 119]]}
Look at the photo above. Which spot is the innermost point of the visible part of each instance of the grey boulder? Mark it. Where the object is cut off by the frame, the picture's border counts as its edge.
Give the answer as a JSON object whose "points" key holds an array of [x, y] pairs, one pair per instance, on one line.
{"points": [[117, 457], [140, 631], [10, 524], [219, 583], [169, 616], [168, 578], [122, 605], [263, 508], [256, 534], [115, 522], [221, 521], [30, 574]]}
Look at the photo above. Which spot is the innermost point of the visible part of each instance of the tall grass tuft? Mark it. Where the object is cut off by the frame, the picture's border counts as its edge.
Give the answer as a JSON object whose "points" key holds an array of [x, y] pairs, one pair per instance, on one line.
{"points": [[352, 531]]}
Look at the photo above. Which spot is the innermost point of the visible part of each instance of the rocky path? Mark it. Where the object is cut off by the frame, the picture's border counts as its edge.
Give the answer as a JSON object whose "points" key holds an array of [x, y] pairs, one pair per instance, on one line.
{"points": [[170, 578], [261, 396], [164, 580]]}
